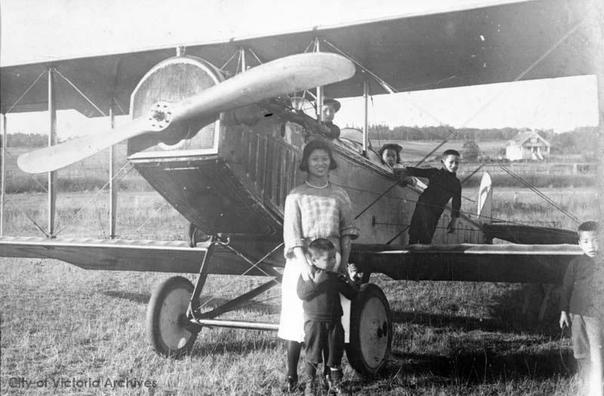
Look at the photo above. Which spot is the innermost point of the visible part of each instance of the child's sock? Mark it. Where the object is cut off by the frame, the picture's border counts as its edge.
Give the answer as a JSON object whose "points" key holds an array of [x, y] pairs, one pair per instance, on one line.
{"points": [[293, 355], [583, 369]]}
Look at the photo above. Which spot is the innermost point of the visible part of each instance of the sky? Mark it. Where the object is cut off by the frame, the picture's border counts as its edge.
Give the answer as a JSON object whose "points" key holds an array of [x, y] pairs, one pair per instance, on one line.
{"points": [[30, 32]]}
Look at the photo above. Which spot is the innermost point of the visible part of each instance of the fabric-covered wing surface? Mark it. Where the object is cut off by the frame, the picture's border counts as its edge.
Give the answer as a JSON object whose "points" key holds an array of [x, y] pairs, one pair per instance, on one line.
{"points": [[126, 255], [477, 46]]}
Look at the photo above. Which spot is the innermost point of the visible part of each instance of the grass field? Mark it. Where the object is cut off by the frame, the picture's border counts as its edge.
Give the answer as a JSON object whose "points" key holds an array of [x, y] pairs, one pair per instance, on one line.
{"points": [[61, 323]]}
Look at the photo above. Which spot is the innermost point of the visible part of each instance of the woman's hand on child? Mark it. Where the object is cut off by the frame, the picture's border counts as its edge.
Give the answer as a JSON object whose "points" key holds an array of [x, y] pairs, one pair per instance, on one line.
{"points": [[306, 271], [353, 272], [564, 322]]}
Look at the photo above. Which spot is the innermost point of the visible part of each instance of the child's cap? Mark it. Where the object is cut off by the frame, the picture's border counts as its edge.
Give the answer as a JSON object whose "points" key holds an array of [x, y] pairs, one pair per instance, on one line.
{"points": [[325, 246], [588, 226], [451, 152]]}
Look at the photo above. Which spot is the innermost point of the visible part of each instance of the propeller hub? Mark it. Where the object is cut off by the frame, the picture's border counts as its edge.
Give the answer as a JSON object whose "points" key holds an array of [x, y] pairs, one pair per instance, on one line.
{"points": [[160, 116]]}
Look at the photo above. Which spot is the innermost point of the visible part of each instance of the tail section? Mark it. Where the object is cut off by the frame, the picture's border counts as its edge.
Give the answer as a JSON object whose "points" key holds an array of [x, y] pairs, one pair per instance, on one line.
{"points": [[485, 199]]}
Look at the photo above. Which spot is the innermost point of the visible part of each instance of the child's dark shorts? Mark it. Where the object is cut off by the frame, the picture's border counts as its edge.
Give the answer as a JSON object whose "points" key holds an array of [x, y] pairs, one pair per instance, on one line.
{"points": [[586, 335], [324, 336]]}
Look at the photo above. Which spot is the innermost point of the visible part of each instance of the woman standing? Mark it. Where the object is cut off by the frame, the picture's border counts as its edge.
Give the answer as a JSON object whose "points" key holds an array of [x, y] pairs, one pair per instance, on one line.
{"points": [[315, 209]]}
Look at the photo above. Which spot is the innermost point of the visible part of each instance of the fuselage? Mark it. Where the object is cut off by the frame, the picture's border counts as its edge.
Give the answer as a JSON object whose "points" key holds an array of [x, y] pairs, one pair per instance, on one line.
{"points": [[232, 176]]}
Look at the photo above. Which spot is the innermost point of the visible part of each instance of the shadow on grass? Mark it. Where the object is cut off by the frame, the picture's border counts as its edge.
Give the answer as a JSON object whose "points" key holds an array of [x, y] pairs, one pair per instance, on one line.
{"points": [[505, 314], [140, 298], [509, 309], [236, 347], [210, 301], [484, 365], [465, 367], [465, 323]]}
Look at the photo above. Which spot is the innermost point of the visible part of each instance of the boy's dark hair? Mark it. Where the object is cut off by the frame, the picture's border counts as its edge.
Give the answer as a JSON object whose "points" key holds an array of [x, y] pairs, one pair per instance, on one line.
{"points": [[588, 226], [451, 152], [316, 145], [322, 245]]}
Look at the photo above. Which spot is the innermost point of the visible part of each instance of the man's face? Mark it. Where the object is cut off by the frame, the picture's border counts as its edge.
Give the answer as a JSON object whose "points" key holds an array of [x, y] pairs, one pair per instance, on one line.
{"points": [[329, 112], [324, 260], [588, 242], [451, 163]]}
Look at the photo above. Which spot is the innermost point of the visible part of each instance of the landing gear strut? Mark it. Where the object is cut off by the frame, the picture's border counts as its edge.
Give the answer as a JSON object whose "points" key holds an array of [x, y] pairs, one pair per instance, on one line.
{"points": [[175, 316]]}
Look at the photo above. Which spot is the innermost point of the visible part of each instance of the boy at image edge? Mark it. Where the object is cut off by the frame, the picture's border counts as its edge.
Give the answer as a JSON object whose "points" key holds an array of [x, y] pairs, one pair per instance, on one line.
{"points": [[579, 305]]}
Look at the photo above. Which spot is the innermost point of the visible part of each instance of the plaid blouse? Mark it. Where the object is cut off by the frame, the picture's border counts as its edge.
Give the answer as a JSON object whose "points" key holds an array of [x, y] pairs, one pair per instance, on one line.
{"points": [[312, 213]]}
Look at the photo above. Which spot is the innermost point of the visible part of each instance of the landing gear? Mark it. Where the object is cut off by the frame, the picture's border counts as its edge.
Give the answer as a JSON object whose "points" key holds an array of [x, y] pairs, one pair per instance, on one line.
{"points": [[370, 331], [175, 315], [168, 328], [195, 235]]}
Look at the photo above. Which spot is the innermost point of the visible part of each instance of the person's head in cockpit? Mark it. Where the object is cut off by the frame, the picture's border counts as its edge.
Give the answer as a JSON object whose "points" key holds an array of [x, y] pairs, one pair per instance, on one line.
{"points": [[390, 154], [330, 108]]}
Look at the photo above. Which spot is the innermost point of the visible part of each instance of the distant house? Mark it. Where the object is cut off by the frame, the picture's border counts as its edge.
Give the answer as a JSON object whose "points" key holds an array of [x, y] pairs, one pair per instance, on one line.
{"points": [[527, 145]]}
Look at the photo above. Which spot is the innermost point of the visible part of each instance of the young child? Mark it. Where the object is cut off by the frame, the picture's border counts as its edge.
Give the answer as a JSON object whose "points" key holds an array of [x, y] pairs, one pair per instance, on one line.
{"points": [[390, 154], [579, 306], [323, 331], [443, 185]]}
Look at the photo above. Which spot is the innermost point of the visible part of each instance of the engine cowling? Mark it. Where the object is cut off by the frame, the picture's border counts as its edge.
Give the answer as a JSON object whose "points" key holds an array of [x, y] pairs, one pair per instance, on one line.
{"points": [[171, 81]]}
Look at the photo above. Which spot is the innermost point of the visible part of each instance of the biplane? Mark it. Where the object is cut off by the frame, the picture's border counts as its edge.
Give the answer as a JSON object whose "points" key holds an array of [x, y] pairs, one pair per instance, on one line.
{"points": [[222, 148]]}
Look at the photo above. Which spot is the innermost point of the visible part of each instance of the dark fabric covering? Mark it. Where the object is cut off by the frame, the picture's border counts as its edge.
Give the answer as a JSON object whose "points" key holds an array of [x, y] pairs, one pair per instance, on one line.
{"points": [[579, 288], [334, 130], [323, 339], [442, 187], [321, 296]]}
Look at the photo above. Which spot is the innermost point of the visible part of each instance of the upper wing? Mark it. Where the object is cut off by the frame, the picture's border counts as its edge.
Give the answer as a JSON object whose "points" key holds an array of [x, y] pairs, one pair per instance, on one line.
{"points": [[482, 42]]}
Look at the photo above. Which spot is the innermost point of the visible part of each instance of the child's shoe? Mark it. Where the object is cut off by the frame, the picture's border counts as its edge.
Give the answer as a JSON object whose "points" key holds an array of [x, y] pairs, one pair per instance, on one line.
{"points": [[335, 383], [311, 387], [325, 383], [291, 384]]}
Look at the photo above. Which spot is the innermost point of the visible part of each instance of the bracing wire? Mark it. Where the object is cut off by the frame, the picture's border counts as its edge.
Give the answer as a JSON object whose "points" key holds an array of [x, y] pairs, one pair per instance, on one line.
{"points": [[78, 90], [539, 193], [252, 266], [117, 175], [480, 109], [25, 92], [497, 94]]}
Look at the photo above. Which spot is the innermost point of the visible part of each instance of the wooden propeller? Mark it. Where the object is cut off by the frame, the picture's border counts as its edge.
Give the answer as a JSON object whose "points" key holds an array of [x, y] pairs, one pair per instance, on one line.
{"points": [[279, 77]]}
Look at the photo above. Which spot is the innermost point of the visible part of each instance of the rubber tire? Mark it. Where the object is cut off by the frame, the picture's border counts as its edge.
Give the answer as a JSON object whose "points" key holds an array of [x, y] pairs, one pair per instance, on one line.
{"points": [[370, 331], [166, 312]]}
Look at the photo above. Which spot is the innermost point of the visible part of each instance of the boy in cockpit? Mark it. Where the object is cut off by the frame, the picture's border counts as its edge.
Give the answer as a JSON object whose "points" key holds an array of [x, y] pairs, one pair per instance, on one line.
{"points": [[443, 186]]}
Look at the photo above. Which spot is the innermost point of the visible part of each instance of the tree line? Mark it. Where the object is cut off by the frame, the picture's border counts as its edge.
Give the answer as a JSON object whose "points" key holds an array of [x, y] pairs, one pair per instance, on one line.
{"points": [[21, 139], [440, 132], [579, 140]]}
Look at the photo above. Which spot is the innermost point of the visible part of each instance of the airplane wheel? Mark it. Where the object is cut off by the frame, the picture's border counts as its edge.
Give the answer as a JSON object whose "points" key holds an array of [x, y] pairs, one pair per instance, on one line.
{"points": [[370, 331], [167, 328]]}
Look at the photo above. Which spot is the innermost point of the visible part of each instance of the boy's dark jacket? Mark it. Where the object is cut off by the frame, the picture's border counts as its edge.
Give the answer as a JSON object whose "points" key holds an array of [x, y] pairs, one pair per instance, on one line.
{"points": [[321, 296], [442, 186], [580, 289]]}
